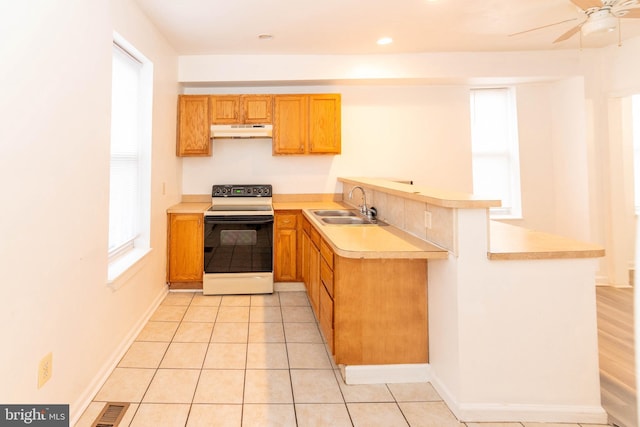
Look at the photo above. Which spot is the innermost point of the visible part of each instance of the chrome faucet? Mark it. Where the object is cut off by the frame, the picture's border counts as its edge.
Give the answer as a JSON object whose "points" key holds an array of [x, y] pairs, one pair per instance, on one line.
{"points": [[363, 209]]}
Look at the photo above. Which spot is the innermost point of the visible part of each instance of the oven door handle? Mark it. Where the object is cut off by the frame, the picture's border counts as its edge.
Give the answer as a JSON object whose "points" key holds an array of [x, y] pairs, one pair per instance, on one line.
{"points": [[238, 219]]}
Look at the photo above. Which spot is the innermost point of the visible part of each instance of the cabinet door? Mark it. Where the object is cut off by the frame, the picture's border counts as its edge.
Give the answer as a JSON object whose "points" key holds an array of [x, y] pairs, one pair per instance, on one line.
{"points": [[185, 248], [193, 126], [304, 254], [257, 108], [324, 124], [225, 109], [285, 247], [290, 127], [326, 317], [326, 276], [314, 277]]}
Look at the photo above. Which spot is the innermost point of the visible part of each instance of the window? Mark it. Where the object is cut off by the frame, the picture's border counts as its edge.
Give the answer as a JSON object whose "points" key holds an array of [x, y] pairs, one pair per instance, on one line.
{"points": [[494, 149], [129, 182]]}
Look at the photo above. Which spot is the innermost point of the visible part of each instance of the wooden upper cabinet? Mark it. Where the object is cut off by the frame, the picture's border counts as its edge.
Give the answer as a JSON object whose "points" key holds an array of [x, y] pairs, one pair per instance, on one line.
{"points": [[290, 127], [239, 109], [302, 124], [225, 109], [324, 124], [193, 136], [307, 124], [257, 108]]}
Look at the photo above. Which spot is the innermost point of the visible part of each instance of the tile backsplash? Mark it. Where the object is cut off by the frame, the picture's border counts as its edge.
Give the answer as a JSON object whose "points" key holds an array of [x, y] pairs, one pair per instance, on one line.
{"points": [[409, 215]]}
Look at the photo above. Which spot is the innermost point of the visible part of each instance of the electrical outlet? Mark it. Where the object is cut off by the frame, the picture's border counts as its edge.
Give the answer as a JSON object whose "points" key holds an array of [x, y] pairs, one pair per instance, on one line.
{"points": [[427, 219], [45, 369]]}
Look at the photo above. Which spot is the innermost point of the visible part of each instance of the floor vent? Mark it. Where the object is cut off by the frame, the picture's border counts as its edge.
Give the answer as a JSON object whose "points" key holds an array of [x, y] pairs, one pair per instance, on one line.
{"points": [[111, 415]]}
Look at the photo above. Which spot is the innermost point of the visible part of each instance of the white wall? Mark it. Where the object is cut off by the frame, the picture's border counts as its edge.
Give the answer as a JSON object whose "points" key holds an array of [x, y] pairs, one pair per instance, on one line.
{"points": [[536, 165], [426, 68], [570, 159], [613, 77], [56, 85]]}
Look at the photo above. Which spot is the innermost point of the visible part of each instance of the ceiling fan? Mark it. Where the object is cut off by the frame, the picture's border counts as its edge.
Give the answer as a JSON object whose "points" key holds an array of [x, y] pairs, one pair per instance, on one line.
{"points": [[601, 16]]}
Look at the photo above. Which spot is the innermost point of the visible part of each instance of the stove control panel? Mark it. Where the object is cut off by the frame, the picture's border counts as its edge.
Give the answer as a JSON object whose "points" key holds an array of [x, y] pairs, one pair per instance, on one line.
{"points": [[259, 190]]}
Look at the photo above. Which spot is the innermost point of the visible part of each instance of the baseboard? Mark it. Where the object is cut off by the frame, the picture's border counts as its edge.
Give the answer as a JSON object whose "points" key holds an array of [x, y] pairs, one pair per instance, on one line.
{"points": [[81, 404], [288, 286], [490, 412], [385, 374]]}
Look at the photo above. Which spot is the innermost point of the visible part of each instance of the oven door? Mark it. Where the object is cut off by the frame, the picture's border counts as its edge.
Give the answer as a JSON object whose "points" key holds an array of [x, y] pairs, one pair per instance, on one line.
{"points": [[238, 244]]}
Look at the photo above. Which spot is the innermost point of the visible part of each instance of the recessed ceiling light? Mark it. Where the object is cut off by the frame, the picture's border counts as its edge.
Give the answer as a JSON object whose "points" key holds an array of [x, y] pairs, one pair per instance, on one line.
{"points": [[265, 36], [385, 40]]}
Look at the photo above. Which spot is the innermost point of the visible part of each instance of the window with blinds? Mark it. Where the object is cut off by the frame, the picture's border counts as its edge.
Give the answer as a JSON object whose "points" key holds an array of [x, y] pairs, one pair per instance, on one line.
{"points": [[494, 149], [128, 182]]}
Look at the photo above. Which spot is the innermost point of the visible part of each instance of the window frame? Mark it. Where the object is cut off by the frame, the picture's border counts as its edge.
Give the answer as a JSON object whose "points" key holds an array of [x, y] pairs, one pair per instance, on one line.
{"points": [[128, 253]]}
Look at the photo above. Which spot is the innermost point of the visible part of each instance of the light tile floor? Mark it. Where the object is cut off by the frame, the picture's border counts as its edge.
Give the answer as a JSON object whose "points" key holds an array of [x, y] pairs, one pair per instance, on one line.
{"points": [[254, 360]]}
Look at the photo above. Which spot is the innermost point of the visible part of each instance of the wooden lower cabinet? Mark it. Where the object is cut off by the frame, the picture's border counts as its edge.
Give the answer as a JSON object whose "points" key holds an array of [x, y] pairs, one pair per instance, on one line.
{"points": [[185, 248], [380, 311], [285, 246], [371, 311]]}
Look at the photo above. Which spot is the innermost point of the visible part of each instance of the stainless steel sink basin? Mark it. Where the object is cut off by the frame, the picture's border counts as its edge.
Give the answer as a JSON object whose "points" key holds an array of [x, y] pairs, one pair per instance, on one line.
{"points": [[335, 212], [346, 220]]}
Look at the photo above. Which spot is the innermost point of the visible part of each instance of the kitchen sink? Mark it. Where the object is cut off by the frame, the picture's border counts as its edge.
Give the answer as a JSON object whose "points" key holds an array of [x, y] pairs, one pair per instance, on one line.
{"points": [[344, 217], [335, 212], [346, 220]]}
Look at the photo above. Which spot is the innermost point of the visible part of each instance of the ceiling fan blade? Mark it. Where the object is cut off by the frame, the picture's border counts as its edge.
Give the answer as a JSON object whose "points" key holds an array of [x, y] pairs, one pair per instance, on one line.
{"points": [[587, 4], [568, 34], [541, 27], [632, 13]]}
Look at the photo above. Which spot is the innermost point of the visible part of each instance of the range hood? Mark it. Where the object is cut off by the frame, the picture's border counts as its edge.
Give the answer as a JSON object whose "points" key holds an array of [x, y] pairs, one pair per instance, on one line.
{"points": [[241, 131]]}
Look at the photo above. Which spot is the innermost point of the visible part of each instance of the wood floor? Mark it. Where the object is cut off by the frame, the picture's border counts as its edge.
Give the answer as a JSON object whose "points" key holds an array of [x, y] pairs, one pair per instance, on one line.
{"points": [[617, 357]]}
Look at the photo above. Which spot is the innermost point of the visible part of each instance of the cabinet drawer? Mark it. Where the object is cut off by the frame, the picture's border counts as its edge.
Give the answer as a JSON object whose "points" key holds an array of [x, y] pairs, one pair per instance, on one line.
{"points": [[327, 253], [315, 237], [306, 226], [285, 220], [326, 276]]}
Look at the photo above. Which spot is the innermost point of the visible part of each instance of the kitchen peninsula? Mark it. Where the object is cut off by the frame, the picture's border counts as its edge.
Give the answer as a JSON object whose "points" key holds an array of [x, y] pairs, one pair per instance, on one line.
{"points": [[512, 313]]}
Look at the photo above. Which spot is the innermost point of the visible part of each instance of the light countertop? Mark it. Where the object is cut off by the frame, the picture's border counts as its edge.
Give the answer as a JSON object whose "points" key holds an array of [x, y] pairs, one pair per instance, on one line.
{"points": [[374, 241], [509, 242], [189, 207], [365, 241], [300, 205], [433, 196]]}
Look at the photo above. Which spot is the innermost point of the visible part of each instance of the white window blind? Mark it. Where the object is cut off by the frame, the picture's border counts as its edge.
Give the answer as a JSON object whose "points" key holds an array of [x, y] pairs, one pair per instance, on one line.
{"points": [[494, 147], [124, 191]]}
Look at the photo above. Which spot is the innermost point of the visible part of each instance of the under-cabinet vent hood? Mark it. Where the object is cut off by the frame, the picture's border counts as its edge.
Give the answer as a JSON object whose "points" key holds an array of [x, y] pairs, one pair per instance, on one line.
{"points": [[241, 131]]}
